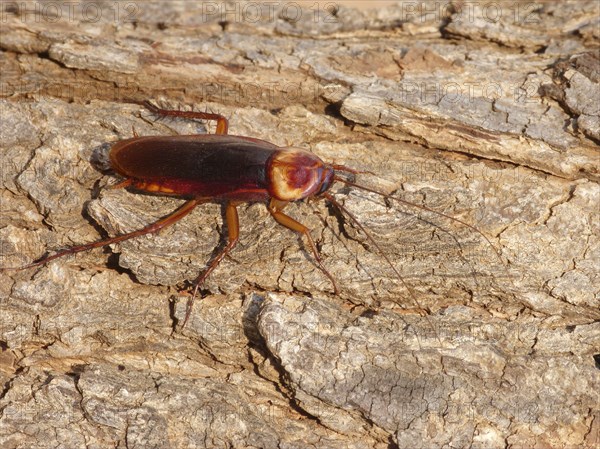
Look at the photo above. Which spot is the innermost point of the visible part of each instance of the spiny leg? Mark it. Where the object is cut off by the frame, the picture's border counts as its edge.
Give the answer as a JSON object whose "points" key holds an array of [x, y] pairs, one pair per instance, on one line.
{"points": [[233, 230], [275, 208], [177, 215], [121, 185], [222, 122]]}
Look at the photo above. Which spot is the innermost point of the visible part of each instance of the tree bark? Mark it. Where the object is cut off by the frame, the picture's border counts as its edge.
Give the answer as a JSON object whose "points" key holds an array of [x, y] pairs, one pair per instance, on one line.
{"points": [[483, 113]]}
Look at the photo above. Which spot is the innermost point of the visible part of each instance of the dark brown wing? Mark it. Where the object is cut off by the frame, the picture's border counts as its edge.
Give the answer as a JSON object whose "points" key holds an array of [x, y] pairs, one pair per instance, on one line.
{"points": [[206, 166]]}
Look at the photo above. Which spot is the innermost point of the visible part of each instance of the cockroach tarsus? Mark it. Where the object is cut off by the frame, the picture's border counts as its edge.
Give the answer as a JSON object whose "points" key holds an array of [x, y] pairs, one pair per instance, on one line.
{"points": [[232, 170]]}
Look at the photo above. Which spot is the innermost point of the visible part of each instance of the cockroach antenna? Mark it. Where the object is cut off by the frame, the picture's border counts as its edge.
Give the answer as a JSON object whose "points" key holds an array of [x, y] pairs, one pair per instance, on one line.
{"points": [[349, 214]]}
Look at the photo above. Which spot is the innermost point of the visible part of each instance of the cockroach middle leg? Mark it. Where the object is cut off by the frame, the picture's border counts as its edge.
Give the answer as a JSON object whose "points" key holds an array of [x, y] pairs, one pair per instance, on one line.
{"points": [[222, 122], [275, 209], [233, 230]]}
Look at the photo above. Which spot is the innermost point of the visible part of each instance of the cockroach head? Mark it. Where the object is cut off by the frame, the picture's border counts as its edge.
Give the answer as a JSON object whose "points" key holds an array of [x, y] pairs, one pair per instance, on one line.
{"points": [[295, 174]]}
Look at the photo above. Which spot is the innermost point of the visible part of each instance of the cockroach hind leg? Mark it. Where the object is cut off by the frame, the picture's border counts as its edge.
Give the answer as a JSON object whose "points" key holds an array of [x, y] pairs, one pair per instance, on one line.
{"points": [[152, 228]]}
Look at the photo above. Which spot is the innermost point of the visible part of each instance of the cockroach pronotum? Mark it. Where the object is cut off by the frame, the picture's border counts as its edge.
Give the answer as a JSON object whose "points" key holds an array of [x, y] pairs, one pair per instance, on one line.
{"points": [[229, 169]]}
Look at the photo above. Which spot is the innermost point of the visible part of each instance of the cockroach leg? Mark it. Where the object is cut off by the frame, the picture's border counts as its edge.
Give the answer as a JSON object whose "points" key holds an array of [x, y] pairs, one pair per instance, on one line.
{"points": [[121, 185], [177, 215], [275, 208], [222, 122], [233, 229]]}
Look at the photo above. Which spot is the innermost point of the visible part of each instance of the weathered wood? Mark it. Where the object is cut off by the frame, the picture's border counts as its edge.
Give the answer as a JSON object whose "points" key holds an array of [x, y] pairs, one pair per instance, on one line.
{"points": [[485, 112]]}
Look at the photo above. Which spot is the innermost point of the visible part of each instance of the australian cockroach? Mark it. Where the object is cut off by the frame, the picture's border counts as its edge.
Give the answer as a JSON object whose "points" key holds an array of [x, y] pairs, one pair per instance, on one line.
{"points": [[231, 170]]}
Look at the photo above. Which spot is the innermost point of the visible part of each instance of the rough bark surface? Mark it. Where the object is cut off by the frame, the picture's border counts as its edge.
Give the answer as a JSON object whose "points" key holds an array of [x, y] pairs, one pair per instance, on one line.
{"points": [[485, 112]]}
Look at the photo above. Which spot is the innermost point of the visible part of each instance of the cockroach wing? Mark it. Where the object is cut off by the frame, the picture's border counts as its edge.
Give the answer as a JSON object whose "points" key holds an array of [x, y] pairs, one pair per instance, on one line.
{"points": [[215, 167]]}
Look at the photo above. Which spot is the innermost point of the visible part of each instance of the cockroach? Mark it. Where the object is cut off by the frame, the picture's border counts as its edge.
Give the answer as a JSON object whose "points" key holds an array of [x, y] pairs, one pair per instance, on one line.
{"points": [[231, 170]]}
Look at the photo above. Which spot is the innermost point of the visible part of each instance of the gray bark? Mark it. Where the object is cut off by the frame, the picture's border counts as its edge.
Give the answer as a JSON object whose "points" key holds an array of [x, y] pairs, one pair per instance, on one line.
{"points": [[485, 113]]}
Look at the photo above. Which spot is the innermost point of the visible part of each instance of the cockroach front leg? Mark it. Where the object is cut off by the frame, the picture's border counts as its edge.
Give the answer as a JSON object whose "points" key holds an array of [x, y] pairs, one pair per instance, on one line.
{"points": [[275, 208]]}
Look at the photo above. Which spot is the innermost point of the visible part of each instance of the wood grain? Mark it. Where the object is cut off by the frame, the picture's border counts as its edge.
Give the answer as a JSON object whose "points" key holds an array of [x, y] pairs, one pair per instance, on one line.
{"points": [[485, 112]]}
